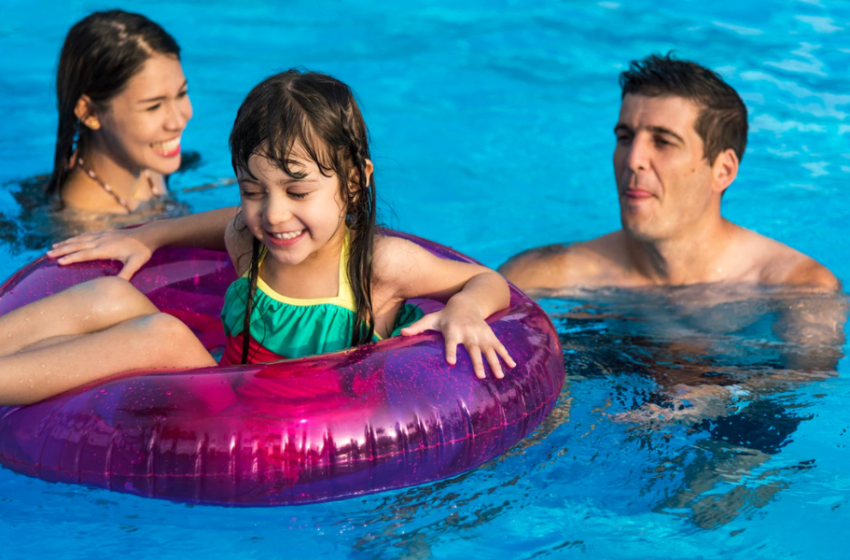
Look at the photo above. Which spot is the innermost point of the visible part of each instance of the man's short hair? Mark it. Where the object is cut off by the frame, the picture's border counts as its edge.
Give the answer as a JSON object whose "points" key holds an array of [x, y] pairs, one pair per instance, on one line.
{"points": [[722, 121]]}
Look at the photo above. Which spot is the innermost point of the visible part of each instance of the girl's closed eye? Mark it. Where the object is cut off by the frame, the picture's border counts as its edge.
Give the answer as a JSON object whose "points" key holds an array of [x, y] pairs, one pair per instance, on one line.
{"points": [[298, 195], [251, 191]]}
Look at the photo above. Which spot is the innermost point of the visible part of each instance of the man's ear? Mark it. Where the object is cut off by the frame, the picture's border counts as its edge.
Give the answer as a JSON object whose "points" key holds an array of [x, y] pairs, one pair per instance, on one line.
{"points": [[85, 111], [724, 170], [354, 177]]}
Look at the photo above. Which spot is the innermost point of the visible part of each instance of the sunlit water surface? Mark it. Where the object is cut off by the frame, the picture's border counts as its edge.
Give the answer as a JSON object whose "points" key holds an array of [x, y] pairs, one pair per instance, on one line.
{"points": [[699, 423]]}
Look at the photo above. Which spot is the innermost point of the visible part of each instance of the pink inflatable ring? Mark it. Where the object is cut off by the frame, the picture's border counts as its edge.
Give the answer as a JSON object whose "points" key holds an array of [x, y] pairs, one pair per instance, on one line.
{"points": [[374, 418]]}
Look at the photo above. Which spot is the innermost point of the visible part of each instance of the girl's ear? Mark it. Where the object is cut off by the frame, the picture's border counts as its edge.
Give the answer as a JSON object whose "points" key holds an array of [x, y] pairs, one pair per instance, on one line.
{"points": [[85, 111], [354, 177]]}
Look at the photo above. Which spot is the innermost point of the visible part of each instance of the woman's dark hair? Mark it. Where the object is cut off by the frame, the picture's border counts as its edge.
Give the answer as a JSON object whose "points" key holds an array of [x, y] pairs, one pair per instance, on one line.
{"points": [[320, 114], [722, 121], [100, 55]]}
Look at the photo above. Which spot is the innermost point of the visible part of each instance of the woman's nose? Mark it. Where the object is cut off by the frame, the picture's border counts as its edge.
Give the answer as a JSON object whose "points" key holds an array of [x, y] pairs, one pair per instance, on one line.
{"points": [[178, 115]]}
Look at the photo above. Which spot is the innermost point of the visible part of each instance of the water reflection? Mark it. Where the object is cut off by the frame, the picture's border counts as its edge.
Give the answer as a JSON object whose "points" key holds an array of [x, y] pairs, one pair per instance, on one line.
{"points": [[720, 367], [37, 222]]}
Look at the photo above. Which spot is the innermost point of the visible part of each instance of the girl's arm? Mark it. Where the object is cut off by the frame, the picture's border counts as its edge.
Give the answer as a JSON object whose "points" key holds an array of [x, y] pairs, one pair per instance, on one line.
{"points": [[471, 292], [134, 246]]}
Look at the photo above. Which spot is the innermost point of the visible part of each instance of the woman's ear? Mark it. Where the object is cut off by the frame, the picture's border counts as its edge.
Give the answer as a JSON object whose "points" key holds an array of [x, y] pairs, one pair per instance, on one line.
{"points": [[85, 111], [354, 177]]}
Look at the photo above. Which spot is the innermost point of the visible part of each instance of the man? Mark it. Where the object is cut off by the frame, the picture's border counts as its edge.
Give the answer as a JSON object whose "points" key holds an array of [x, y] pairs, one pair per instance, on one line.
{"points": [[680, 138], [681, 135]]}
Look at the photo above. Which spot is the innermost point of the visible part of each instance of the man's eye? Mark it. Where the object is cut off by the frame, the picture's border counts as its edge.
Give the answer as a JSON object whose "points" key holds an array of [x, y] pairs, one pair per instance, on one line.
{"points": [[622, 138]]}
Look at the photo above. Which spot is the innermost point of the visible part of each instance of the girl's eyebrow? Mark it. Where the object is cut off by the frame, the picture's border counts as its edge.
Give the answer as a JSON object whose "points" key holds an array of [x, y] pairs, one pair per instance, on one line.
{"points": [[289, 180]]}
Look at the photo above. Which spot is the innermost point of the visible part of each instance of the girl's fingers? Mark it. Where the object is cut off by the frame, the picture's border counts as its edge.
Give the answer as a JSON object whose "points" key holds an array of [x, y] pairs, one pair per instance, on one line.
{"points": [[477, 362], [493, 360], [451, 350], [503, 352], [426, 323]]}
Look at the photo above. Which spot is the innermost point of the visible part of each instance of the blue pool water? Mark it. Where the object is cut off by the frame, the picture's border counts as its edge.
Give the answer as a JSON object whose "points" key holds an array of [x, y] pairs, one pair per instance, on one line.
{"points": [[492, 132]]}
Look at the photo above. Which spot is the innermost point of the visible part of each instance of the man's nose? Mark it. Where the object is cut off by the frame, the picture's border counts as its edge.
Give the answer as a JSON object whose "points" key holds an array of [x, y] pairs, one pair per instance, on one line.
{"points": [[638, 156]]}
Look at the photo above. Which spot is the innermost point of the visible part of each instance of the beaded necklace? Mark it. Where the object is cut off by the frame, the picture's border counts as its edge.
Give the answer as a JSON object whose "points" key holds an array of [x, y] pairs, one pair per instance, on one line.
{"points": [[118, 198]]}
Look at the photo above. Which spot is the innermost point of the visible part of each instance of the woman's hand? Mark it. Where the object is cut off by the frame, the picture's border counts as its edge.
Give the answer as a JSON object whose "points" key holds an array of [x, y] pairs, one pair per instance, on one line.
{"points": [[125, 245], [461, 322]]}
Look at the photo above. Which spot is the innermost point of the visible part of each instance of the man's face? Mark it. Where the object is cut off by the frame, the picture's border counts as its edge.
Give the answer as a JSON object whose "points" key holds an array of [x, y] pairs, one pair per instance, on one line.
{"points": [[664, 182]]}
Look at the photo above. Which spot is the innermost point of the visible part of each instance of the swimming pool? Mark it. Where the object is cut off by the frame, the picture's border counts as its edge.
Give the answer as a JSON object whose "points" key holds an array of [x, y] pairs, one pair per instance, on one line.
{"points": [[492, 132]]}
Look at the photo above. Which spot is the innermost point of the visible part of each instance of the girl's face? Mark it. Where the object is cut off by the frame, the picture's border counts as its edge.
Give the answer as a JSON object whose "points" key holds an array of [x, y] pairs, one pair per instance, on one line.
{"points": [[142, 127], [295, 218]]}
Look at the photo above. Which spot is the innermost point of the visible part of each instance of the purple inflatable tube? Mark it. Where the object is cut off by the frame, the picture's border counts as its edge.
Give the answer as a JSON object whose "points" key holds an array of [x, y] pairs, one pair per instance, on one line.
{"points": [[377, 417]]}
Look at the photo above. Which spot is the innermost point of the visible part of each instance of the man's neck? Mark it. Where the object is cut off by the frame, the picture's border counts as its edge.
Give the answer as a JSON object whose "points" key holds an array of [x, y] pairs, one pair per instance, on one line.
{"points": [[693, 256]]}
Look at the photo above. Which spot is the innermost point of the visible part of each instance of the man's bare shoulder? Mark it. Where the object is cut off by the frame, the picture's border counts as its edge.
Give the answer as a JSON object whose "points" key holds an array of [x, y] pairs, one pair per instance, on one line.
{"points": [[563, 266], [780, 264]]}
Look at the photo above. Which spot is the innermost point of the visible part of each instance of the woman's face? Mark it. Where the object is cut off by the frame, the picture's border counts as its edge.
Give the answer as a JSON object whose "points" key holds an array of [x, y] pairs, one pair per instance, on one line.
{"points": [[142, 125]]}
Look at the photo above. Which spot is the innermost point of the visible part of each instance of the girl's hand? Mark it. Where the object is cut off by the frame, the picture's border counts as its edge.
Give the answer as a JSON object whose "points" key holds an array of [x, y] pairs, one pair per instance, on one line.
{"points": [[125, 245], [462, 323]]}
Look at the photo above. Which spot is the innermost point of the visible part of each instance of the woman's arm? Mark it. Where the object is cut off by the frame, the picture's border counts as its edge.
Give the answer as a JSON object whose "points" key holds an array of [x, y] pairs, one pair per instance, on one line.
{"points": [[471, 292], [134, 246]]}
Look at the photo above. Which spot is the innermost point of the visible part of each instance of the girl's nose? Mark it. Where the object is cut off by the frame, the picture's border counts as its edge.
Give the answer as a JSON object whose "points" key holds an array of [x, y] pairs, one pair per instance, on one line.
{"points": [[277, 210]]}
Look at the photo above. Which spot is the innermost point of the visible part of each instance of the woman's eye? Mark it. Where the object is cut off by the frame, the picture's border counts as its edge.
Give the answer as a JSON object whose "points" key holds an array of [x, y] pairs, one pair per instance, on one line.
{"points": [[153, 107], [298, 195], [182, 94]]}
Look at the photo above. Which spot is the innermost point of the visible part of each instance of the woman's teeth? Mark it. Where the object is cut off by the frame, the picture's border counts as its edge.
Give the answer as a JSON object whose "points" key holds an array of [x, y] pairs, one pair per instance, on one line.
{"points": [[167, 147], [289, 235]]}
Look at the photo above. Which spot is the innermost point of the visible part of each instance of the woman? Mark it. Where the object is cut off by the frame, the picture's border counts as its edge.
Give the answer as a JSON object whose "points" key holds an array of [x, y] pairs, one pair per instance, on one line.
{"points": [[123, 105]]}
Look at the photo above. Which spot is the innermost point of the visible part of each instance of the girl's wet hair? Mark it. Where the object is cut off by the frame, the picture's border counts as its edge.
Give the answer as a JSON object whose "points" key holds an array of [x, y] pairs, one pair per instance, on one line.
{"points": [[318, 113], [100, 55]]}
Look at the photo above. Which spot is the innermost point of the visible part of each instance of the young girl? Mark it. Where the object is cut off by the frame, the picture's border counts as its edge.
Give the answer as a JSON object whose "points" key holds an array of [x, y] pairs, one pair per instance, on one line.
{"points": [[314, 274], [123, 105]]}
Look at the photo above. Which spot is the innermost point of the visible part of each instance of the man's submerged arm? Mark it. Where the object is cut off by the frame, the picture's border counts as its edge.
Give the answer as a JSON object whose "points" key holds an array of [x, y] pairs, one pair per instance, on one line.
{"points": [[812, 331]]}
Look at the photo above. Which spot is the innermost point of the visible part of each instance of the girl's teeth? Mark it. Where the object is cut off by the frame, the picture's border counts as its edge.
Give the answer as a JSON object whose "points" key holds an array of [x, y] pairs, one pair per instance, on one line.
{"points": [[290, 235]]}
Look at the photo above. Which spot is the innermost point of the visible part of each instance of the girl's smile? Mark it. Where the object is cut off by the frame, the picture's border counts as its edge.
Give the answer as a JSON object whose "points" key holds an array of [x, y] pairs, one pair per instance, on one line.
{"points": [[286, 239], [297, 215]]}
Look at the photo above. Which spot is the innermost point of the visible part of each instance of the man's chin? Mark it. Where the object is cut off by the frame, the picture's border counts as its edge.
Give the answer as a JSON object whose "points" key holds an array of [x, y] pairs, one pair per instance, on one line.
{"points": [[640, 231]]}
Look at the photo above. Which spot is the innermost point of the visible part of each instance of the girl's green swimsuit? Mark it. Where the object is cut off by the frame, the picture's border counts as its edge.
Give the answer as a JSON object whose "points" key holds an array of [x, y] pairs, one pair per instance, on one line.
{"points": [[283, 327]]}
